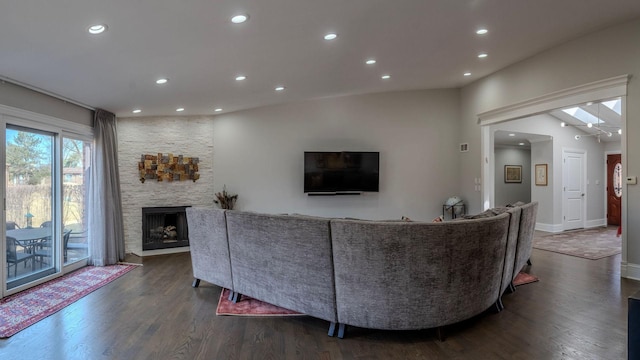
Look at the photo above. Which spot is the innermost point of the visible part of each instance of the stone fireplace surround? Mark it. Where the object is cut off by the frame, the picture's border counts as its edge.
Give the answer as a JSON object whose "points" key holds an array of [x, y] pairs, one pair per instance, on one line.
{"points": [[187, 135]]}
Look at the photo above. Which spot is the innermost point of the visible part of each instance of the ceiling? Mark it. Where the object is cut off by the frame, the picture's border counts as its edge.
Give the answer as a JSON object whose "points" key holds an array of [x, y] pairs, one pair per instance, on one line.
{"points": [[421, 44], [517, 139]]}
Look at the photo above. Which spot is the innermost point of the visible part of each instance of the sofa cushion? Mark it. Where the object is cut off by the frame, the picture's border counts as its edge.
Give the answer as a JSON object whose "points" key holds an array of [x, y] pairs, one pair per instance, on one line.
{"points": [[283, 260], [415, 275], [209, 246]]}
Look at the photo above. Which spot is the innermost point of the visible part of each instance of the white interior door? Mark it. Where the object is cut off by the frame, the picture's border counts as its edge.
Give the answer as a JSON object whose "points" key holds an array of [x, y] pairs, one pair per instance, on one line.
{"points": [[574, 175]]}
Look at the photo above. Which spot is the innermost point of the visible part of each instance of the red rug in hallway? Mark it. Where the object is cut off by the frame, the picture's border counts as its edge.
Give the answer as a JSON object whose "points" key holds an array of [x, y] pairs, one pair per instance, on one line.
{"points": [[524, 278], [25, 308], [250, 307]]}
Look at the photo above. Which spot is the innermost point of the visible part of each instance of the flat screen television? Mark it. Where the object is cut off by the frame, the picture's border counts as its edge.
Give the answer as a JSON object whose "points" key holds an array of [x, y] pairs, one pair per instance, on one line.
{"points": [[341, 172]]}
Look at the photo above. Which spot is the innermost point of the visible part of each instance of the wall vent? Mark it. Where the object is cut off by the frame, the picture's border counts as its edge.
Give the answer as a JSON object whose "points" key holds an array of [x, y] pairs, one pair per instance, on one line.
{"points": [[464, 147]]}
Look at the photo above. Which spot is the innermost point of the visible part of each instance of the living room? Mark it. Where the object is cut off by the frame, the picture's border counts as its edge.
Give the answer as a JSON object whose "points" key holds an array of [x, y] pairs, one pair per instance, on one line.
{"points": [[257, 152]]}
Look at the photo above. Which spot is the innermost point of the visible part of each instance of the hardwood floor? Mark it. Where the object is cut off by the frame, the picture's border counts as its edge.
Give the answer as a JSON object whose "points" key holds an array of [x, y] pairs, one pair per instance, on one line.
{"points": [[577, 310]]}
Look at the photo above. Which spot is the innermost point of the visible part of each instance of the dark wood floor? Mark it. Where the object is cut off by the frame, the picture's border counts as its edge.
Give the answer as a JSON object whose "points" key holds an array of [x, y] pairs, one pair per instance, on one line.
{"points": [[577, 311]]}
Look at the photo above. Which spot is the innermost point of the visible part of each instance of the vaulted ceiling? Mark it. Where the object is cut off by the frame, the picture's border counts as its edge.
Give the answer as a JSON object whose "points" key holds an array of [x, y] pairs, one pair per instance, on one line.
{"points": [[419, 44]]}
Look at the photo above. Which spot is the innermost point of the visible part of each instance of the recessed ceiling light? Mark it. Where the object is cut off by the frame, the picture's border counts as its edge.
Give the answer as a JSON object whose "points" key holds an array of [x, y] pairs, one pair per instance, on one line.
{"points": [[280, 88], [330, 36], [179, 109], [218, 110], [239, 19], [385, 77], [240, 77], [370, 62], [482, 55], [521, 144], [512, 134], [97, 29], [467, 74], [161, 81], [136, 111], [482, 31]]}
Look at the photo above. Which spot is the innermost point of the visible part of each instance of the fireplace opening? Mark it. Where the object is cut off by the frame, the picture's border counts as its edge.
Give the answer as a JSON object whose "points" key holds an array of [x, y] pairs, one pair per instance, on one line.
{"points": [[164, 227]]}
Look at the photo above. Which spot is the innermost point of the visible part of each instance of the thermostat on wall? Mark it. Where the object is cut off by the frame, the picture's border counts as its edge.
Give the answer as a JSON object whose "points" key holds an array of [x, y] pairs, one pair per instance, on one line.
{"points": [[632, 180]]}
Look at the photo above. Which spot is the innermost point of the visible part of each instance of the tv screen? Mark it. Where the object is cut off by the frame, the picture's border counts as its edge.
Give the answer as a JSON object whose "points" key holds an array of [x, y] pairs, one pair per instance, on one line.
{"points": [[345, 171]]}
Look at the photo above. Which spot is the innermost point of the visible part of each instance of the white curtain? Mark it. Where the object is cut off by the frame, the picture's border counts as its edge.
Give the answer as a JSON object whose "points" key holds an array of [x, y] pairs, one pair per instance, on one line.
{"points": [[105, 205]]}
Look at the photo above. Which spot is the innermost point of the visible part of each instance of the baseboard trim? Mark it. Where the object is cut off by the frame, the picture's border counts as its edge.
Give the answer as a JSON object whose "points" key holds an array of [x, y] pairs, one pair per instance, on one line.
{"points": [[552, 228], [630, 271], [595, 223], [556, 228]]}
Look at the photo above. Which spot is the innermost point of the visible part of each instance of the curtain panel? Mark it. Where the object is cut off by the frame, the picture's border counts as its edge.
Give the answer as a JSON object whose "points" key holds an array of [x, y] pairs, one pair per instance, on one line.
{"points": [[105, 210]]}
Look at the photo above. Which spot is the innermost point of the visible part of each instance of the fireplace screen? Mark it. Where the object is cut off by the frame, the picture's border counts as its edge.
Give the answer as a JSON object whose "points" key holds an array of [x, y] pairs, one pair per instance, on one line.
{"points": [[164, 227]]}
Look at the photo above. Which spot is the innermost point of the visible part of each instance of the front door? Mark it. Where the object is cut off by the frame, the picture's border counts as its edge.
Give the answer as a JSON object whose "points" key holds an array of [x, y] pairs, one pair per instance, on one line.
{"points": [[614, 189], [574, 189]]}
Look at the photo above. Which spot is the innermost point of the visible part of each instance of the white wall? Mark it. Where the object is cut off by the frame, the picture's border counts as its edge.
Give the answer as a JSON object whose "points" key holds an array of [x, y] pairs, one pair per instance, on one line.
{"points": [[259, 153], [509, 193], [180, 135], [542, 153], [601, 55], [613, 147]]}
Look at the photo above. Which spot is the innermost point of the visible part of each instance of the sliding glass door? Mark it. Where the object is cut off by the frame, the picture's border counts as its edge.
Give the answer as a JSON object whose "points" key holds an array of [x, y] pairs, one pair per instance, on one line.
{"points": [[31, 228], [76, 157], [47, 164]]}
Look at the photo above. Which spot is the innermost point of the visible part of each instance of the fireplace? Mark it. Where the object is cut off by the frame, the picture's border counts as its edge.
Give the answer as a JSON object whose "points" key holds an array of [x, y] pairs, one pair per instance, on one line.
{"points": [[164, 227]]}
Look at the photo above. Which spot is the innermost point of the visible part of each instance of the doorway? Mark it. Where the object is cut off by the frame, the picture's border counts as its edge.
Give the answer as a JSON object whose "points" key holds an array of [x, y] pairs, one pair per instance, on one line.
{"points": [[612, 88]]}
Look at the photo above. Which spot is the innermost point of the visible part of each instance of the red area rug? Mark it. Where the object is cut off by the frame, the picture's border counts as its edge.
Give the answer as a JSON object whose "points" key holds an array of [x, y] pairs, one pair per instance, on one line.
{"points": [[249, 307], [25, 308], [524, 278]]}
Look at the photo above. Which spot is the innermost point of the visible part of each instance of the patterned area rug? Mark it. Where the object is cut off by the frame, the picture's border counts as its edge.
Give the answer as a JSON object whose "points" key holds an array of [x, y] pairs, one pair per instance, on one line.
{"points": [[25, 308], [250, 307], [523, 278], [590, 244]]}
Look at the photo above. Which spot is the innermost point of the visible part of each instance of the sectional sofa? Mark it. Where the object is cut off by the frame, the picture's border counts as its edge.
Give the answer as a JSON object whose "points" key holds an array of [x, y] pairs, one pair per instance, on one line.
{"points": [[392, 275]]}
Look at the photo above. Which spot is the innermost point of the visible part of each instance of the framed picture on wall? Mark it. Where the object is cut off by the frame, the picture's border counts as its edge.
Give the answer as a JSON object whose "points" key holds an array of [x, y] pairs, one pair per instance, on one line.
{"points": [[513, 173], [541, 174]]}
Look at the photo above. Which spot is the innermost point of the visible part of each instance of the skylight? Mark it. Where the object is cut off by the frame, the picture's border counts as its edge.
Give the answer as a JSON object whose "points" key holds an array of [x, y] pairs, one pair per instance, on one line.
{"points": [[615, 105], [582, 115]]}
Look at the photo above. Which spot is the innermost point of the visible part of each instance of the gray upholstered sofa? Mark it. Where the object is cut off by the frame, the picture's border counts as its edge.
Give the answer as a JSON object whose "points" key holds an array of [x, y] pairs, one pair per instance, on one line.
{"points": [[391, 275]]}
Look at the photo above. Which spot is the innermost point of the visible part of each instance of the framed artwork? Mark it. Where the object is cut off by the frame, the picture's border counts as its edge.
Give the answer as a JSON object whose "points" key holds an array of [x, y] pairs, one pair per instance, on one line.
{"points": [[513, 173], [541, 174]]}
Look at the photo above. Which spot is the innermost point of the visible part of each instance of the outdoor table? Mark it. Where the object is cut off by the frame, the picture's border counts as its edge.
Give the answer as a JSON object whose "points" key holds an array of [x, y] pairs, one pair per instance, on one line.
{"points": [[28, 238]]}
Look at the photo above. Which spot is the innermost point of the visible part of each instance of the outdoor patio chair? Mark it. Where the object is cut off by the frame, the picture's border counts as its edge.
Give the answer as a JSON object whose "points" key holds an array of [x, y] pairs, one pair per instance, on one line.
{"points": [[14, 257], [47, 252]]}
